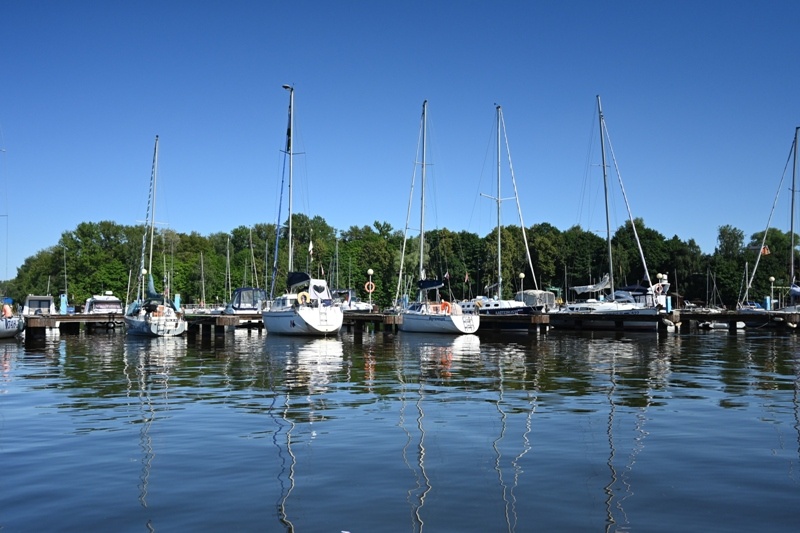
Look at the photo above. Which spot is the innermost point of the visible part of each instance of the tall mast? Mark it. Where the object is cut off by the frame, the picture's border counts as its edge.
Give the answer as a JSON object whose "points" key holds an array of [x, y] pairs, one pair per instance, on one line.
{"points": [[499, 199], [289, 151], [228, 270], [153, 210], [794, 190], [203, 281], [605, 189], [422, 201]]}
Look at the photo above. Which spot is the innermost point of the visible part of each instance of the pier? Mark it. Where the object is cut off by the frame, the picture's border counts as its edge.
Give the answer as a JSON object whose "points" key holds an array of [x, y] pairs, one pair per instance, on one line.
{"points": [[683, 321]]}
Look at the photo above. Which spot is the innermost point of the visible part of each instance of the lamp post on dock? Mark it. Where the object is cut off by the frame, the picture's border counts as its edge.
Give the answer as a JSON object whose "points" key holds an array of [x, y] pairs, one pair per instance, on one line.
{"points": [[371, 286], [771, 292], [521, 282]]}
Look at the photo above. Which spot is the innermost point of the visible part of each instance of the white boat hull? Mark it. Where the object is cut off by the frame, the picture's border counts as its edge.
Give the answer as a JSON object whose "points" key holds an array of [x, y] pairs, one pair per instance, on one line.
{"points": [[150, 326], [434, 323], [608, 317], [10, 327], [302, 320]]}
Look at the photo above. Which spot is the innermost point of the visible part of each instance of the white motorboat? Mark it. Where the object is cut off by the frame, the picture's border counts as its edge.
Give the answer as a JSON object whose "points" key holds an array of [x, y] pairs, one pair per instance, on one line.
{"points": [[105, 304]]}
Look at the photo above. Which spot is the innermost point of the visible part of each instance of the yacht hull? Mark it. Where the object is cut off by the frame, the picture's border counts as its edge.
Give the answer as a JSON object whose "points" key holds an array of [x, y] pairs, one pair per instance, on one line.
{"points": [[309, 321], [145, 326], [451, 324]]}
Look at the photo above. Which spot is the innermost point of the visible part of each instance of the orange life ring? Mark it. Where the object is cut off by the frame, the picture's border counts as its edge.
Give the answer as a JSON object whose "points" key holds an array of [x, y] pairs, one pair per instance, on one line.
{"points": [[659, 288], [369, 287], [445, 306]]}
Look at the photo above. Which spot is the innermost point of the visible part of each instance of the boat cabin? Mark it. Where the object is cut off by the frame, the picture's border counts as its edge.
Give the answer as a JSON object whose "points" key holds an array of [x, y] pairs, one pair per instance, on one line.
{"points": [[246, 300], [103, 304], [38, 305]]}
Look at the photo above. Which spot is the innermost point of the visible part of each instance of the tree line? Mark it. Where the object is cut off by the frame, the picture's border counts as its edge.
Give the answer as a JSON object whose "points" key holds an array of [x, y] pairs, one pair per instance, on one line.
{"points": [[105, 256]]}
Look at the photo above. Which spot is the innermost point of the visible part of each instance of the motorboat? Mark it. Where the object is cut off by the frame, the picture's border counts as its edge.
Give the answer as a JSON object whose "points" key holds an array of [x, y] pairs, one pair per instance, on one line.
{"points": [[105, 304]]}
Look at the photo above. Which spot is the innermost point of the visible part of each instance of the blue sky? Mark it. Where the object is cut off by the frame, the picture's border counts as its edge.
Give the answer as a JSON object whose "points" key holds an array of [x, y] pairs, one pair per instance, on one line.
{"points": [[701, 100]]}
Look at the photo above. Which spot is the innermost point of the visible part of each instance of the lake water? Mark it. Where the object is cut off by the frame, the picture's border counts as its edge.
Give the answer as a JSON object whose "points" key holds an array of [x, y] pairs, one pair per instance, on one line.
{"points": [[562, 432]]}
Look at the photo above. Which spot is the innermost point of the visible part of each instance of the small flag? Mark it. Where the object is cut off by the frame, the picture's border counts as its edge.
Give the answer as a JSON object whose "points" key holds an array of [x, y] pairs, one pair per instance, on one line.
{"points": [[447, 275], [466, 278], [765, 250], [311, 248]]}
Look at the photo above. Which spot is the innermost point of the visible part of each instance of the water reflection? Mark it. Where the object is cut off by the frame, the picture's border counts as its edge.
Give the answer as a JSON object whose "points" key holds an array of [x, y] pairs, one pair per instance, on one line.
{"points": [[440, 357], [796, 403], [562, 432], [308, 368], [617, 495], [512, 359], [148, 364], [423, 362]]}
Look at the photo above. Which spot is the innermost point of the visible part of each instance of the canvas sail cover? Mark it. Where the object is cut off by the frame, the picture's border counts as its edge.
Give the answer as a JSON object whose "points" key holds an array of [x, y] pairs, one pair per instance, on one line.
{"points": [[429, 284], [297, 279], [599, 286]]}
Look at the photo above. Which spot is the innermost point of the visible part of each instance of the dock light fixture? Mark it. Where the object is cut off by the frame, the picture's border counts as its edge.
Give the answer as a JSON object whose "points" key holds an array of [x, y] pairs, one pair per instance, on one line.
{"points": [[370, 272], [771, 291]]}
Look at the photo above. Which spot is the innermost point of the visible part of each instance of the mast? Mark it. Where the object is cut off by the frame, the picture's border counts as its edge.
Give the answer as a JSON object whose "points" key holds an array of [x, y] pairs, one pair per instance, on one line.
{"points": [[627, 205], [498, 199], [203, 281], [791, 230], [502, 136], [140, 291], [228, 284], [289, 151], [153, 210], [499, 258], [422, 201], [605, 189]]}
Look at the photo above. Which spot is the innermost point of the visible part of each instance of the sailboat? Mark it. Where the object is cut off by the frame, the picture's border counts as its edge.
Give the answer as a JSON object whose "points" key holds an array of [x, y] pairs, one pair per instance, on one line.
{"points": [[649, 299], [152, 314], [431, 315], [794, 288], [526, 302], [758, 316], [307, 306]]}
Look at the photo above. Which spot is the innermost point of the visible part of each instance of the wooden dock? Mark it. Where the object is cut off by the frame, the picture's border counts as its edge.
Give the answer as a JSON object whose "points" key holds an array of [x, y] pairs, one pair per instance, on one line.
{"points": [[684, 321], [36, 326]]}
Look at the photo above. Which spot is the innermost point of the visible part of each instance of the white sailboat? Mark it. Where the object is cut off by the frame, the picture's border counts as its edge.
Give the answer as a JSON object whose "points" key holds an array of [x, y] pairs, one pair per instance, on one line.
{"points": [[649, 299], [307, 306], [526, 302], [152, 314], [758, 316], [794, 288], [431, 315]]}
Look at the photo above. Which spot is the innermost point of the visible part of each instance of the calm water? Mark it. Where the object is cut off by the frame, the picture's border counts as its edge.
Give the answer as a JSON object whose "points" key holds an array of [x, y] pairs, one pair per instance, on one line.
{"points": [[565, 432]]}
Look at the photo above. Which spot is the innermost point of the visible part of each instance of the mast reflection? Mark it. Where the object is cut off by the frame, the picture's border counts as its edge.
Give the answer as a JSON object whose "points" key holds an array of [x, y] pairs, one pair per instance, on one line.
{"points": [[298, 370], [513, 359], [147, 366]]}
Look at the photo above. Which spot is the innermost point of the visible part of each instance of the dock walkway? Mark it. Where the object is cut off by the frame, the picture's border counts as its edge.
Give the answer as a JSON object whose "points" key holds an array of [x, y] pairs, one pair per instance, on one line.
{"points": [[683, 321]]}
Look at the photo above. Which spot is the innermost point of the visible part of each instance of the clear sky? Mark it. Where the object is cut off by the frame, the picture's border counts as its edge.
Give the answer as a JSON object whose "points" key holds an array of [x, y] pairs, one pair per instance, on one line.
{"points": [[701, 100]]}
